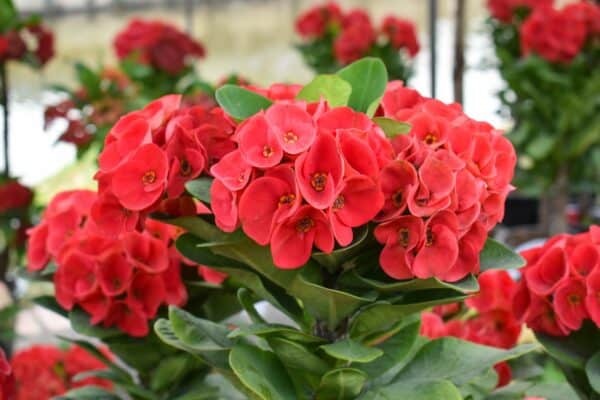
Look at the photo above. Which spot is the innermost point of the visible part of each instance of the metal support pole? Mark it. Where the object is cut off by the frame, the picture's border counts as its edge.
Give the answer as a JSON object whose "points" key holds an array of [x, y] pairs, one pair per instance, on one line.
{"points": [[459, 51], [433, 44]]}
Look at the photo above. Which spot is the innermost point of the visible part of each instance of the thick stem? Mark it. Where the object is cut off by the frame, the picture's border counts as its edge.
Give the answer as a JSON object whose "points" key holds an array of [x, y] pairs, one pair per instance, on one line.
{"points": [[554, 203], [5, 105]]}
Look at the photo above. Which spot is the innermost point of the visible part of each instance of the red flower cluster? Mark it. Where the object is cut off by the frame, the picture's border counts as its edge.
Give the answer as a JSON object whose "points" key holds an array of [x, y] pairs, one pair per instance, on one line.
{"points": [[76, 131], [150, 154], [560, 287], [559, 35], [42, 372], [315, 22], [7, 380], [354, 32], [402, 34], [444, 190], [13, 196], [493, 325], [34, 39], [504, 10], [302, 175], [157, 44], [120, 280]]}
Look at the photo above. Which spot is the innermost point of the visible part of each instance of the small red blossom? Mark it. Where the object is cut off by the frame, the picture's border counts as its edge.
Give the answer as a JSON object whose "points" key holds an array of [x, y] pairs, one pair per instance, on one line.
{"points": [[316, 21], [14, 195], [504, 10], [561, 284]]}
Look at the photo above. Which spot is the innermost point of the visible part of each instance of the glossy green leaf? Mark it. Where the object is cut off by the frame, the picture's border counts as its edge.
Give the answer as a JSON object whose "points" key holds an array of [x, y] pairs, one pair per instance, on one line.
{"points": [[169, 371], [573, 350], [246, 299], [296, 356], [327, 304], [381, 316], [368, 79], [495, 255], [592, 371], [261, 372], [200, 188], [351, 350], [456, 360], [341, 384], [427, 390], [391, 127], [240, 103], [191, 329], [274, 330], [88, 393], [332, 88], [396, 349], [207, 351]]}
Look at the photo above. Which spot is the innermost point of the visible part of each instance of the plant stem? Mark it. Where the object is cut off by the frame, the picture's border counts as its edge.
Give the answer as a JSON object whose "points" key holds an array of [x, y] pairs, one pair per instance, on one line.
{"points": [[5, 105]]}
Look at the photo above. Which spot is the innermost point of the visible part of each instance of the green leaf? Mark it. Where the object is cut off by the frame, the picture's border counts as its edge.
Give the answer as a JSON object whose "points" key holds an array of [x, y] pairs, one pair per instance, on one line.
{"points": [[396, 349], [337, 257], [89, 80], [208, 352], [341, 384], [592, 370], [168, 372], [240, 103], [296, 356], [495, 255], [391, 127], [368, 78], [246, 299], [200, 188], [261, 372], [332, 88], [381, 316], [8, 15], [330, 305], [351, 350], [428, 390], [456, 360], [541, 146], [274, 330], [191, 329], [573, 350], [88, 393], [80, 322]]}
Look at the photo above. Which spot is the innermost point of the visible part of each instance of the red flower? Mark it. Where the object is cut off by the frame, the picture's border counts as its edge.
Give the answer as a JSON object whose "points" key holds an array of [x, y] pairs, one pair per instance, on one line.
{"points": [[268, 200], [293, 240], [15, 47], [401, 237], [316, 21], [359, 200], [7, 380], [504, 10], [233, 171], [292, 126], [440, 248], [569, 303], [224, 206], [147, 292], [319, 172], [353, 43], [139, 182], [432, 326], [129, 317], [146, 252], [13, 195], [592, 300], [496, 290], [550, 270], [555, 35], [157, 43], [45, 43], [401, 33], [259, 144], [504, 374]]}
